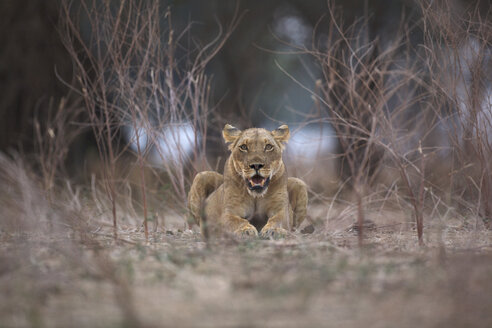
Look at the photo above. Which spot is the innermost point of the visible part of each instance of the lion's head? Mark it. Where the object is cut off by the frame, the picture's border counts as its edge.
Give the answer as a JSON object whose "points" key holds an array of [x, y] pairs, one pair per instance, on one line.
{"points": [[256, 154]]}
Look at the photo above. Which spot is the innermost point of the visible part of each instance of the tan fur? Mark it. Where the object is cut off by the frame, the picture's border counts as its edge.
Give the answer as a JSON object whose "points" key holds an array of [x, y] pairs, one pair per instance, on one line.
{"points": [[230, 203]]}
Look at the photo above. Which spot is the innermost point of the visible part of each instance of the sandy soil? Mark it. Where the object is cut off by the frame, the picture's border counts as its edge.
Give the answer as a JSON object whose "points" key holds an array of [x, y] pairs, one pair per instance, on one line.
{"points": [[309, 280]]}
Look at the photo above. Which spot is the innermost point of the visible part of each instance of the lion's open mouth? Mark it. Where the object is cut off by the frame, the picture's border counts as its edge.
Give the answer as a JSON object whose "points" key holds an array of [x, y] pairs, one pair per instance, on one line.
{"points": [[257, 183]]}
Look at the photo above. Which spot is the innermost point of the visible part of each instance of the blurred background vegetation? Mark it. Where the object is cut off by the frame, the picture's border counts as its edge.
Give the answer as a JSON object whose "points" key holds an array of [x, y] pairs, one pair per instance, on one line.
{"points": [[248, 85], [269, 71]]}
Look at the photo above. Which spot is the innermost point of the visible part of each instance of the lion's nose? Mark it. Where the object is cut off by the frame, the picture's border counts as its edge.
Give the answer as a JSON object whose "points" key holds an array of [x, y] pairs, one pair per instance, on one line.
{"points": [[256, 166]]}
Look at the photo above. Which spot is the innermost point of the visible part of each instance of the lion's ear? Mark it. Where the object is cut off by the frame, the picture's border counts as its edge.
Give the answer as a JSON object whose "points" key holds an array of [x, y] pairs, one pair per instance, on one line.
{"points": [[281, 134], [230, 133]]}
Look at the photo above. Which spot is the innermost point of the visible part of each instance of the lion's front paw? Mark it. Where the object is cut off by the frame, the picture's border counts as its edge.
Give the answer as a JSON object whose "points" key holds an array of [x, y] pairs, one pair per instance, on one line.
{"points": [[273, 232], [246, 230]]}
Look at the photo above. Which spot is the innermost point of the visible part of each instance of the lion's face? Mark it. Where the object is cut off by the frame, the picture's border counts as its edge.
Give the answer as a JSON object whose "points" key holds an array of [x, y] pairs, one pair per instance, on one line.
{"points": [[256, 155]]}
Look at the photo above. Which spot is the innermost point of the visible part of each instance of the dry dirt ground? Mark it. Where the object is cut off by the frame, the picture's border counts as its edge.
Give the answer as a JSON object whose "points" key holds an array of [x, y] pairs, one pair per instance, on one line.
{"points": [[176, 279]]}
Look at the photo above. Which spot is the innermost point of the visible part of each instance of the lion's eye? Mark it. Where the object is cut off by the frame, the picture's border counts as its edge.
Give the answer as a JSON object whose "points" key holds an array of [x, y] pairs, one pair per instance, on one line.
{"points": [[268, 147], [243, 148]]}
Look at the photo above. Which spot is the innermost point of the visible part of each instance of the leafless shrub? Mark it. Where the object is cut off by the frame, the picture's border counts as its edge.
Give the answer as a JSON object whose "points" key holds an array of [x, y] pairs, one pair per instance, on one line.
{"points": [[458, 44], [134, 72], [368, 93], [54, 134], [389, 102]]}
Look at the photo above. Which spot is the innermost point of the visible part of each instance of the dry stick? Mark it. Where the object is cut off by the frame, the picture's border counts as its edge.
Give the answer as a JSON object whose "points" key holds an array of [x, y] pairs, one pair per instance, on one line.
{"points": [[413, 198], [360, 216], [142, 180], [487, 203], [109, 138], [420, 212], [365, 159]]}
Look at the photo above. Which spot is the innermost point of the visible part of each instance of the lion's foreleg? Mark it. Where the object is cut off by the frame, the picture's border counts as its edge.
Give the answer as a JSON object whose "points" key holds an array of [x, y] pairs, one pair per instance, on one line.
{"points": [[237, 225], [278, 225]]}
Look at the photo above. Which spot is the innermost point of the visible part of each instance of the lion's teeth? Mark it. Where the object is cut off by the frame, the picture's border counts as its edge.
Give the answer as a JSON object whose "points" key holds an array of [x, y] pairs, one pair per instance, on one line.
{"points": [[253, 183], [257, 181]]}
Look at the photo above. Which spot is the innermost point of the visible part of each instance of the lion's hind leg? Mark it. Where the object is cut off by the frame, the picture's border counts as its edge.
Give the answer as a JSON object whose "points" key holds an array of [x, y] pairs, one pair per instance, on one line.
{"points": [[298, 198], [203, 185]]}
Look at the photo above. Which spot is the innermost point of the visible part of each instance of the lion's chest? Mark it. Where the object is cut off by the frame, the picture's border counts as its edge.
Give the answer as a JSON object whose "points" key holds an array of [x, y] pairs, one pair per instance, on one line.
{"points": [[256, 212], [255, 207]]}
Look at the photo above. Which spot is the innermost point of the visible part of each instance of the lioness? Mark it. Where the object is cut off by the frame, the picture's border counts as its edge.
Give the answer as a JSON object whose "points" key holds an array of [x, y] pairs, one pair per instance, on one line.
{"points": [[254, 194]]}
